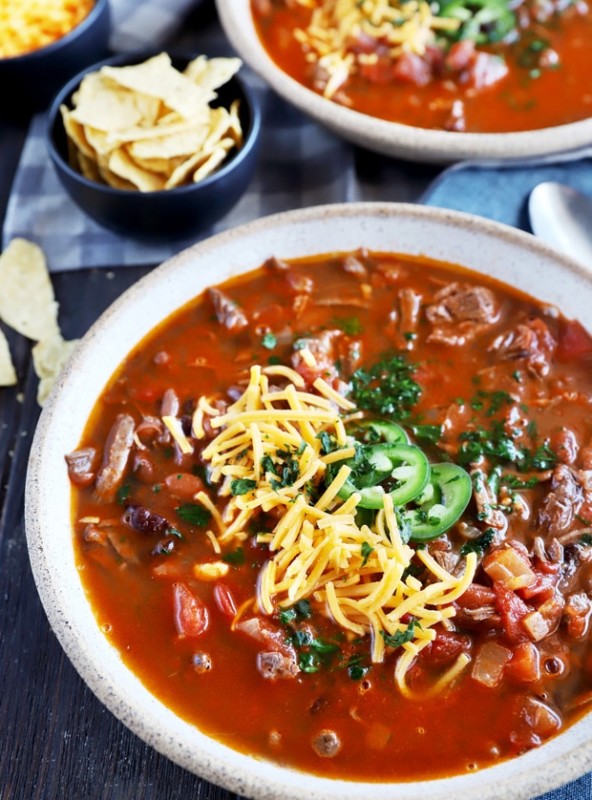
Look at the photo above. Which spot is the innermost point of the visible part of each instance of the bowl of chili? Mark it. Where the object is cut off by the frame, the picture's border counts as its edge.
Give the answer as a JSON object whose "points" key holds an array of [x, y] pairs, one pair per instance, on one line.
{"points": [[346, 485], [438, 83]]}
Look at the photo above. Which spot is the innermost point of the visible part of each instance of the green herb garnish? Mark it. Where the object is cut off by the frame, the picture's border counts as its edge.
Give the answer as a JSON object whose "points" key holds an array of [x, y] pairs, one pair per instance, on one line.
{"points": [[269, 341], [386, 388], [235, 558], [480, 544], [400, 637], [194, 514], [241, 486]]}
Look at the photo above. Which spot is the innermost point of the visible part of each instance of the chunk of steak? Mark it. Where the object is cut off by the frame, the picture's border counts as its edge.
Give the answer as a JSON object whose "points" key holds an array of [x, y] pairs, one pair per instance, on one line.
{"points": [[460, 313], [115, 457], [529, 341], [227, 311], [563, 501]]}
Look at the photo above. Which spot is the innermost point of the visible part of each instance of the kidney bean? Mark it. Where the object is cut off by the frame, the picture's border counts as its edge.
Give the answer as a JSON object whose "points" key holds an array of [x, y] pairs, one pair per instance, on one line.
{"points": [[143, 520]]}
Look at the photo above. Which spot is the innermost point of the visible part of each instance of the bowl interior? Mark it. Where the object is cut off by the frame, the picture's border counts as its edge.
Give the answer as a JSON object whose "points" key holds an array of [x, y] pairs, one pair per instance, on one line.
{"points": [[391, 138], [513, 257]]}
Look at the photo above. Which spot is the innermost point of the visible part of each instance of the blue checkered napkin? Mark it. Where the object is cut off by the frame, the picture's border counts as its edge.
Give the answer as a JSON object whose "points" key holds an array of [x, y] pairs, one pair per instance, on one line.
{"points": [[144, 23]]}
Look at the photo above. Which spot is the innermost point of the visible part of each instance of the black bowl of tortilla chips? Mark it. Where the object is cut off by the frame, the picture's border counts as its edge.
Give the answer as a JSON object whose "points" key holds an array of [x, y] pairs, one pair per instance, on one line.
{"points": [[154, 147]]}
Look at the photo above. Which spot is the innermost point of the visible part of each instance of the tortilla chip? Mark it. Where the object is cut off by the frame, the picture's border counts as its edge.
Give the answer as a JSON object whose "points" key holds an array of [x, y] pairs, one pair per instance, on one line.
{"points": [[177, 144], [7, 372], [158, 78], [214, 161], [212, 73], [122, 165], [49, 357], [164, 166], [76, 132], [88, 168], [99, 141], [27, 301], [104, 107]]}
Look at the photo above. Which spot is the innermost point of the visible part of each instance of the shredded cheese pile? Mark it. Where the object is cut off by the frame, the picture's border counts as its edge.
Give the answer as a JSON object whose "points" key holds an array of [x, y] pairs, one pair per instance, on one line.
{"points": [[399, 27], [359, 574]]}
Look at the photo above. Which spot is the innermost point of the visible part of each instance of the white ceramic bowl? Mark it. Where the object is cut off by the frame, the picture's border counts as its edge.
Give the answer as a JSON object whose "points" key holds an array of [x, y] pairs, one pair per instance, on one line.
{"points": [[391, 138], [514, 257]]}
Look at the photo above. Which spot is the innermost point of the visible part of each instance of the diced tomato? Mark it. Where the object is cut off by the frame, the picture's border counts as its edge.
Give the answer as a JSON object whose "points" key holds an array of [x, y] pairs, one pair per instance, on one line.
{"points": [[512, 609], [445, 648], [525, 665], [477, 596], [411, 68], [574, 342], [191, 615], [542, 589], [379, 71], [224, 599]]}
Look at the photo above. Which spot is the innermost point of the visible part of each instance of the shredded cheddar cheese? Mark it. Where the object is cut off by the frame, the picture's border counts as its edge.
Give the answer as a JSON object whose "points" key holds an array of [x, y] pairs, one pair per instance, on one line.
{"points": [[398, 26], [268, 455]]}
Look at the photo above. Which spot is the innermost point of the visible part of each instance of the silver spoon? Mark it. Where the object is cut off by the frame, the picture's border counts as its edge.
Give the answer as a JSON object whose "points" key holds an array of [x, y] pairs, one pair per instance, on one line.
{"points": [[562, 217]]}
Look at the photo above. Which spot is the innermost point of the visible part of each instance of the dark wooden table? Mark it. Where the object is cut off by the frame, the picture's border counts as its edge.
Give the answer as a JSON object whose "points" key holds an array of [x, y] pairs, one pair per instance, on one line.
{"points": [[57, 742]]}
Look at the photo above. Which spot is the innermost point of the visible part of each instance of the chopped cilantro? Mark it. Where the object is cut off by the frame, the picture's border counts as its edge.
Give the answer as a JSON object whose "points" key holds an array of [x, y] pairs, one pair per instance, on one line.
{"points": [[386, 388], [400, 637], [496, 401], [515, 483], [312, 653], [367, 549], [269, 341], [300, 610], [235, 558], [123, 493], [242, 486], [174, 532], [193, 514], [274, 360], [156, 488], [427, 433], [497, 445], [286, 469], [543, 458], [413, 569], [328, 442], [308, 661], [349, 325], [480, 544], [356, 671], [586, 539]]}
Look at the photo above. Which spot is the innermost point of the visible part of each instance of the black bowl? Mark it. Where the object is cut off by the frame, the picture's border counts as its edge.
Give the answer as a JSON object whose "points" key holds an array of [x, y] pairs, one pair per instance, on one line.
{"points": [[170, 213], [30, 81]]}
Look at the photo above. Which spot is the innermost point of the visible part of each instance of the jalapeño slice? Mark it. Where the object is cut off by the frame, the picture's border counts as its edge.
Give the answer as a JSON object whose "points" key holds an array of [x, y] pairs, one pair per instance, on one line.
{"points": [[378, 431], [401, 470], [441, 504]]}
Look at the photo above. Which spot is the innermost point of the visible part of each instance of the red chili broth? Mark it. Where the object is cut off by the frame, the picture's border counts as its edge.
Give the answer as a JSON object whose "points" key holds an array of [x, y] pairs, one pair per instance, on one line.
{"points": [[517, 103], [458, 732]]}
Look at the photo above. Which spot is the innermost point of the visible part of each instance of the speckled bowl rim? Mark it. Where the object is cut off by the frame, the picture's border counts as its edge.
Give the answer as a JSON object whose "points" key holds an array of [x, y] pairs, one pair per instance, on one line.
{"points": [[391, 138], [47, 514]]}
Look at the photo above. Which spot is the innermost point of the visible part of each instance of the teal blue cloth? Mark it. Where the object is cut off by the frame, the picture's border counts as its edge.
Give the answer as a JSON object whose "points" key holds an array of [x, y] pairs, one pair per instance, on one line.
{"points": [[501, 192]]}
